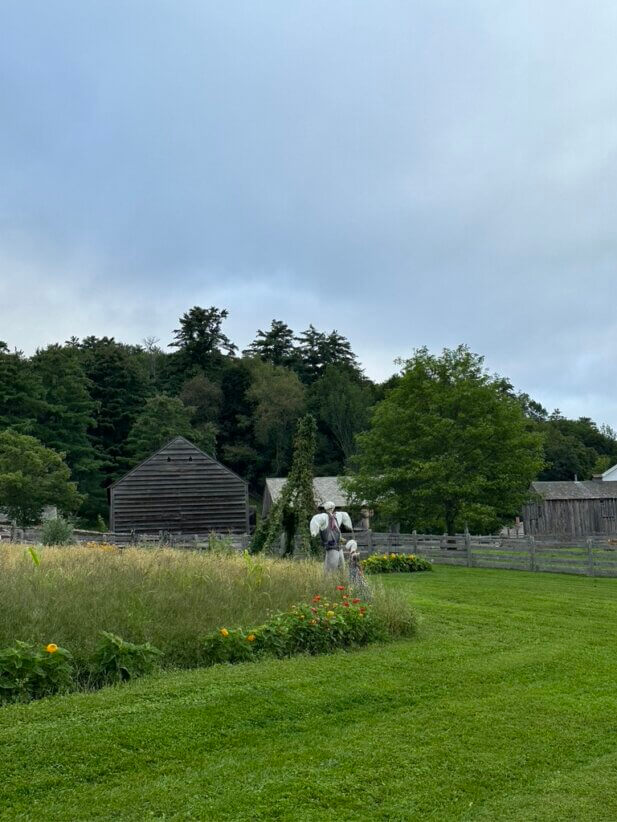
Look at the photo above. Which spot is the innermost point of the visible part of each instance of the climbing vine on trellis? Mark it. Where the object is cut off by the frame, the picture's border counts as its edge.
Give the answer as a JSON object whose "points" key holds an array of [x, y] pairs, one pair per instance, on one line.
{"points": [[291, 513]]}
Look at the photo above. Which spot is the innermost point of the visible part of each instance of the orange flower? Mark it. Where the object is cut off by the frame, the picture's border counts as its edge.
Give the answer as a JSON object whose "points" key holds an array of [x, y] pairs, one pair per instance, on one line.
{"points": [[250, 638], [224, 632], [51, 648], [316, 598], [355, 601], [340, 587], [362, 610]]}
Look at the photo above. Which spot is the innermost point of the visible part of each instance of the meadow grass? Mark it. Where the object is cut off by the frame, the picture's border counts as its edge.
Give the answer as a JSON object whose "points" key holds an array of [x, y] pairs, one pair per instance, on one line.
{"points": [[170, 598], [502, 708]]}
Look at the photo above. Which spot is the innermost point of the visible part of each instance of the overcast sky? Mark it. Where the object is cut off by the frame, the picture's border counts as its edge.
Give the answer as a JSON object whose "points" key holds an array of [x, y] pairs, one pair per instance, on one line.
{"points": [[409, 173]]}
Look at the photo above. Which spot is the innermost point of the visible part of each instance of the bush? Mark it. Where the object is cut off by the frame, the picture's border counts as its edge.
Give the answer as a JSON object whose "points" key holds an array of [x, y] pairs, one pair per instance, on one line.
{"points": [[116, 660], [30, 672], [58, 531], [395, 563]]}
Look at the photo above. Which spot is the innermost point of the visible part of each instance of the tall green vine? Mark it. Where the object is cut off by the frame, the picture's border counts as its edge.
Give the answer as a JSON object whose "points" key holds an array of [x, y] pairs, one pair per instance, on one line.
{"points": [[291, 513]]}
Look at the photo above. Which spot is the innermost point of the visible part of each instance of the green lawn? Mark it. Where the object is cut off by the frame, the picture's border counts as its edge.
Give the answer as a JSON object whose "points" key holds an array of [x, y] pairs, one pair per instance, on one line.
{"points": [[503, 708]]}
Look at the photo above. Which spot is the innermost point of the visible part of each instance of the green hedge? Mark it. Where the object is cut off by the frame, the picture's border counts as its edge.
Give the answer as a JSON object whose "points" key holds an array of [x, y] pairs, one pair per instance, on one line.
{"points": [[395, 563]]}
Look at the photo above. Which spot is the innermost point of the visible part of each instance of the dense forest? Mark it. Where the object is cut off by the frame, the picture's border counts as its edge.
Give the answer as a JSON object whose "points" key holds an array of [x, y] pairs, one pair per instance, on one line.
{"points": [[105, 405]]}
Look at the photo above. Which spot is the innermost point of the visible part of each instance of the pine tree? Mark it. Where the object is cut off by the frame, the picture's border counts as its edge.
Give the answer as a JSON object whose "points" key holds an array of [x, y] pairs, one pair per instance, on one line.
{"points": [[318, 350], [291, 513], [275, 346], [200, 338], [21, 393]]}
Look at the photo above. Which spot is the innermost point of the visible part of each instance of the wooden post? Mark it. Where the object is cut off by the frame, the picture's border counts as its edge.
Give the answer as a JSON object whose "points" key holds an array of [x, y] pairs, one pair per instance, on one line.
{"points": [[590, 568], [468, 548], [369, 541], [532, 554], [414, 539]]}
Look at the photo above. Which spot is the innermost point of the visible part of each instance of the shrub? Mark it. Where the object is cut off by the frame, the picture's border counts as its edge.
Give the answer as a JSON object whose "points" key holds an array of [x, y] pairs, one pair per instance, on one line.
{"points": [[395, 563], [58, 531], [30, 672], [117, 660]]}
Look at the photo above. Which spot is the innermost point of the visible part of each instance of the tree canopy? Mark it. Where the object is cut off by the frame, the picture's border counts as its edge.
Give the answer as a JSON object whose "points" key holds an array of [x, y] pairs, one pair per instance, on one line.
{"points": [[449, 446]]}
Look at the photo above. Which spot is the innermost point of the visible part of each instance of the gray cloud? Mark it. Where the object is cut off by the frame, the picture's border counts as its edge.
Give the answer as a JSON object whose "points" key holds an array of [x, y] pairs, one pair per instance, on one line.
{"points": [[409, 173]]}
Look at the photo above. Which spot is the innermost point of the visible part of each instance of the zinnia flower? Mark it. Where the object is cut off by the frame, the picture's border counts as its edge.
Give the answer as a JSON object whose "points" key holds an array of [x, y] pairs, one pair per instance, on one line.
{"points": [[224, 632], [355, 601], [330, 614], [313, 622], [345, 605], [51, 648], [340, 587], [361, 615], [250, 638], [316, 598]]}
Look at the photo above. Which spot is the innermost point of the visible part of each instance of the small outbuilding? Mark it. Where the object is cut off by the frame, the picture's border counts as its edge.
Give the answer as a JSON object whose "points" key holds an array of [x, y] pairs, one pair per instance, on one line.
{"points": [[182, 490], [572, 508]]}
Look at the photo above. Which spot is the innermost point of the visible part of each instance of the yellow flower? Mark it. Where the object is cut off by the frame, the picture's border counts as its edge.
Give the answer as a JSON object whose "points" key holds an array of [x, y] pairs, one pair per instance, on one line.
{"points": [[330, 614], [300, 616], [313, 622], [361, 615], [51, 648], [224, 632], [250, 638]]}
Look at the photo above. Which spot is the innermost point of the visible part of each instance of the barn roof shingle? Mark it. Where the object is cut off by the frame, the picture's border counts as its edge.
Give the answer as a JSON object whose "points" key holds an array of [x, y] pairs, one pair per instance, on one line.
{"points": [[588, 489]]}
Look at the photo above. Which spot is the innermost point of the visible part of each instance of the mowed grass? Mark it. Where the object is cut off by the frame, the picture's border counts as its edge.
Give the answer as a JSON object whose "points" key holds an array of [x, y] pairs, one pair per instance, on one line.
{"points": [[503, 707]]}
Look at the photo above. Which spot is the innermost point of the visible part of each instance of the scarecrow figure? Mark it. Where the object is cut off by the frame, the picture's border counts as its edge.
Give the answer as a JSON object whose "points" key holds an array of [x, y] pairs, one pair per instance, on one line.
{"points": [[328, 526]]}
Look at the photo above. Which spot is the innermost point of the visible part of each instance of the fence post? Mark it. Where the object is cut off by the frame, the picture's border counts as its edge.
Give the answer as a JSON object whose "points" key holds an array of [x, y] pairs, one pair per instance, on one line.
{"points": [[414, 539], [590, 568], [468, 548], [532, 553], [369, 541]]}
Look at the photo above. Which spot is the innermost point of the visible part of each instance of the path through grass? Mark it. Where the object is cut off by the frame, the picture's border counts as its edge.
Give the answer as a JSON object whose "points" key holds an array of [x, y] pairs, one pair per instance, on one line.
{"points": [[503, 708]]}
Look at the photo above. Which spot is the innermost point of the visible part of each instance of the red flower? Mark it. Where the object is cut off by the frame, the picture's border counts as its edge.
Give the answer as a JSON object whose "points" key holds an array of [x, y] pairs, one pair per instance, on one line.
{"points": [[345, 605], [355, 601], [340, 587], [316, 598], [314, 610], [362, 610]]}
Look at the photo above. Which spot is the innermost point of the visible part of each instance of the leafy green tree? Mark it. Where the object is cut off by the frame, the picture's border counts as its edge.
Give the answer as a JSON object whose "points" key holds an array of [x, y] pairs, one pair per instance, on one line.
{"points": [[162, 419], [21, 393], [205, 397], [31, 477], [342, 404], [275, 346], [291, 513], [279, 401], [449, 445]]}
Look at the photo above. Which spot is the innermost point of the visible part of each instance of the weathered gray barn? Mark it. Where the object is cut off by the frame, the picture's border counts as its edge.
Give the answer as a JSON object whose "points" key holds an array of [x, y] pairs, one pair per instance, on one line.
{"points": [[179, 489], [572, 508]]}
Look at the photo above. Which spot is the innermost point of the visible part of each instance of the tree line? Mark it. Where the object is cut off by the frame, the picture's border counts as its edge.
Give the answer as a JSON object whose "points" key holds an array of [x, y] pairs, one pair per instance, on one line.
{"points": [[104, 405]]}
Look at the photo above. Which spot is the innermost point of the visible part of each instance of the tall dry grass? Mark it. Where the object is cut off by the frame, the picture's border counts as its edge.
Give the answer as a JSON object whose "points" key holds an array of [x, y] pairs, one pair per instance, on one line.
{"points": [[168, 597]]}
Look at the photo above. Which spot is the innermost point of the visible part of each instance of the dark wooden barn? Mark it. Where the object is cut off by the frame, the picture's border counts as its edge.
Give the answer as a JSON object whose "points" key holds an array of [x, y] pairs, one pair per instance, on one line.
{"points": [[575, 509], [179, 489]]}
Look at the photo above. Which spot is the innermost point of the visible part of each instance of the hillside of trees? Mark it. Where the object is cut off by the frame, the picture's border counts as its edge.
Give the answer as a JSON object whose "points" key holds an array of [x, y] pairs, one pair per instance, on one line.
{"points": [[105, 405]]}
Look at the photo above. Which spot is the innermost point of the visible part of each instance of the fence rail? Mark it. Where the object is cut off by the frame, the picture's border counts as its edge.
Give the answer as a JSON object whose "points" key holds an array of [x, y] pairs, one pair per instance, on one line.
{"points": [[594, 555]]}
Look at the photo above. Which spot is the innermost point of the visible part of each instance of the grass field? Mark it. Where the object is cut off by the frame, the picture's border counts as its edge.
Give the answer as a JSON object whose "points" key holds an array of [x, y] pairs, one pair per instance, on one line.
{"points": [[502, 708]]}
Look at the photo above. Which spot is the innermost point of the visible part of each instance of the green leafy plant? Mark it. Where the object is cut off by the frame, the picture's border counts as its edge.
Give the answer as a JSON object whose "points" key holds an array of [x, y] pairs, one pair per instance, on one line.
{"points": [[395, 563], [318, 627], [117, 660], [58, 531], [30, 671]]}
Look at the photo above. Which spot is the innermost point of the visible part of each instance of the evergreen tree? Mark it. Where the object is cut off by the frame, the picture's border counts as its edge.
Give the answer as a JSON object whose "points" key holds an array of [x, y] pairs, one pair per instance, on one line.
{"points": [[162, 419], [67, 415], [317, 350], [275, 346], [200, 338], [21, 393]]}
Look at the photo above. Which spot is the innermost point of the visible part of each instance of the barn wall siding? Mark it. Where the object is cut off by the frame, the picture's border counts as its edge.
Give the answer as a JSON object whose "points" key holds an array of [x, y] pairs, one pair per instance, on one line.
{"points": [[574, 517], [181, 490]]}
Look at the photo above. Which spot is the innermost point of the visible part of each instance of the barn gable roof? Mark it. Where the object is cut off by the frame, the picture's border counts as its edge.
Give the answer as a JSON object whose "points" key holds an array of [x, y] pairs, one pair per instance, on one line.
{"points": [[588, 489], [325, 489], [170, 444]]}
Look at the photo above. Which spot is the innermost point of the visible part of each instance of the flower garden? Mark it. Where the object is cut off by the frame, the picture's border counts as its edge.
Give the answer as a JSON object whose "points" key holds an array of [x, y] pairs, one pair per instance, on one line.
{"points": [[86, 616]]}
